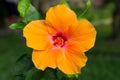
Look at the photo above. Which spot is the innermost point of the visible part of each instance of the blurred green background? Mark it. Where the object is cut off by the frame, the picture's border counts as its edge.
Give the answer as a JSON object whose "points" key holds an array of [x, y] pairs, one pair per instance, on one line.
{"points": [[103, 60]]}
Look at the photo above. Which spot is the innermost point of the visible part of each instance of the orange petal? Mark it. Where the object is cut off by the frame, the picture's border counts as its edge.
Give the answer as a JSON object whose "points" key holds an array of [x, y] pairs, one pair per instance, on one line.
{"points": [[60, 17], [71, 62], [83, 34], [36, 35], [44, 59]]}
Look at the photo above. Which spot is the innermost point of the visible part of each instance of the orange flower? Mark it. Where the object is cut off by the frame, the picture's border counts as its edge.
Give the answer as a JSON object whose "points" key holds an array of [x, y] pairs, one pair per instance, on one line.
{"points": [[60, 40]]}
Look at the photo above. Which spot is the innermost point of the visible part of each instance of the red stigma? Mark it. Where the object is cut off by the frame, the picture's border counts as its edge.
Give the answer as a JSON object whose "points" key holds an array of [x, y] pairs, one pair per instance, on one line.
{"points": [[59, 40]]}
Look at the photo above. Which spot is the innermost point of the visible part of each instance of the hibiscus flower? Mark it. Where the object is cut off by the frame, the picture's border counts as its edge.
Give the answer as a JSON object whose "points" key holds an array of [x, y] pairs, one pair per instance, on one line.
{"points": [[60, 41]]}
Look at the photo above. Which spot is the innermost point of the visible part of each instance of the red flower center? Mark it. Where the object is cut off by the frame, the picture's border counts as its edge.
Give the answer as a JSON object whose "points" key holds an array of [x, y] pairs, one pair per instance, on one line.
{"points": [[59, 40]]}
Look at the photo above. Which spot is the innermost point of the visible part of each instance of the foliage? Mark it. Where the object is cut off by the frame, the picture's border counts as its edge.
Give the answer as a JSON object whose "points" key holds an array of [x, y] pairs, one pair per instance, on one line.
{"points": [[99, 62], [17, 25], [24, 69], [27, 12]]}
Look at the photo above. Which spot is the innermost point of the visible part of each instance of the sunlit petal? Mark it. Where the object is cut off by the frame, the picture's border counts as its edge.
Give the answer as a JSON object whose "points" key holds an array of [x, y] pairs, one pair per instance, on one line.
{"points": [[36, 35], [71, 61], [82, 33], [60, 17], [44, 59]]}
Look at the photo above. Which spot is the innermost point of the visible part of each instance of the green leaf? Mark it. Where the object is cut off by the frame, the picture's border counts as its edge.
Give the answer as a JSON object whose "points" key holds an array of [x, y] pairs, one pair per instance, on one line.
{"points": [[19, 77], [23, 64], [34, 74], [27, 11], [61, 75], [17, 25], [65, 3], [32, 14], [23, 7], [50, 74]]}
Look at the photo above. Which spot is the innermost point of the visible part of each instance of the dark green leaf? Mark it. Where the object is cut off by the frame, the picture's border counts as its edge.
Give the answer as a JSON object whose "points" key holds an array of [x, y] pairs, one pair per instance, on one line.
{"points": [[50, 74], [23, 64], [19, 77], [32, 14], [18, 25], [61, 75], [34, 74], [23, 7]]}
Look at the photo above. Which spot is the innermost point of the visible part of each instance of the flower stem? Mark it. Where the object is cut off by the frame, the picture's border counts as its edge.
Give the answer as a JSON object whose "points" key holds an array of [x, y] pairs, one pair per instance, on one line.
{"points": [[87, 6], [65, 3]]}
